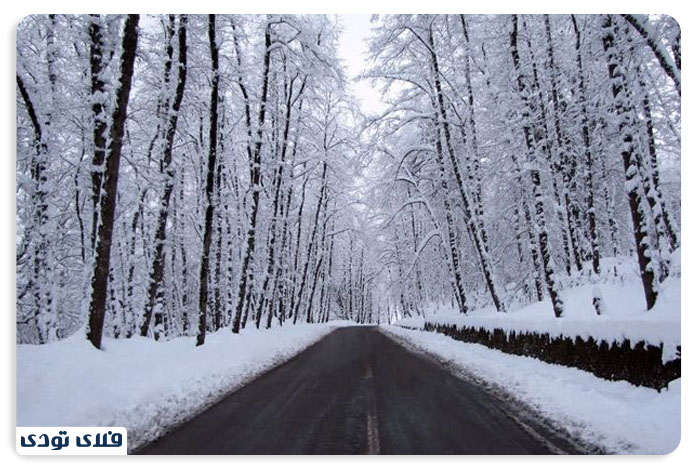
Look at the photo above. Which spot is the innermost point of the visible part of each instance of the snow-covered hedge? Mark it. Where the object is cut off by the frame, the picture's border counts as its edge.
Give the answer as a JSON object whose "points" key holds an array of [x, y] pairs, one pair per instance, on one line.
{"points": [[638, 363]]}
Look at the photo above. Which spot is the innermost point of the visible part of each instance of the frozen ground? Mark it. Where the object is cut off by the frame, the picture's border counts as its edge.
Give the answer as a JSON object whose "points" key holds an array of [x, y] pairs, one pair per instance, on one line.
{"points": [[144, 385], [616, 416]]}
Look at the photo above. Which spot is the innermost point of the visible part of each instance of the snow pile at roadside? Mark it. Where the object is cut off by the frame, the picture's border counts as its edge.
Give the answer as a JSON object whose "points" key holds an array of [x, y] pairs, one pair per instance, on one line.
{"points": [[616, 416], [624, 316], [143, 385]]}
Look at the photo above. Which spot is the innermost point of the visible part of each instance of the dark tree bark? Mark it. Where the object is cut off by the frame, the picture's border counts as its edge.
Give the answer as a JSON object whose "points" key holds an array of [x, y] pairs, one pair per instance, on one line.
{"points": [[285, 239], [311, 244], [51, 53], [663, 58], [560, 162], [475, 175], [107, 204], [324, 300], [630, 157], [535, 179], [209, 185], [217, 289], [276, 199], [451, 244], [298, 242], [676, 50], [184, 274], [542, 140], [247, 274], [589, 180], [155, 292], [96, 65], [473, 224], [662, 219], [36, 235]]}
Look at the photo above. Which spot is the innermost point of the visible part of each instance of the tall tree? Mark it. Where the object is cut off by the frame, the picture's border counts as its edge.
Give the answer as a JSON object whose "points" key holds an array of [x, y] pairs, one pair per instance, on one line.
{"points": [[107, 207], [155, 300], [246, 273], [643, 27], [532, 167], [624, 112], [209, 184], [37, 245]]}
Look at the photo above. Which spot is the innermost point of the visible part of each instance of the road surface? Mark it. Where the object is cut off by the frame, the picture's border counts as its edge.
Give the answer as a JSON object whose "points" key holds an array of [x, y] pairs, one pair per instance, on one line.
{"points": [[357, 391]]}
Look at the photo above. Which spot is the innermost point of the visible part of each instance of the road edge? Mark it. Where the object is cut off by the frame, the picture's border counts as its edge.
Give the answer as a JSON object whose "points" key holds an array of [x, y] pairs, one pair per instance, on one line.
{"points": [[137, 450], [537, 425]]}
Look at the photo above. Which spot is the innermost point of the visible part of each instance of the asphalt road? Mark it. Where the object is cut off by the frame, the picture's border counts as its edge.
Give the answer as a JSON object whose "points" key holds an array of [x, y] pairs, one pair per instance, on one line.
{"points": [[357, 392]]}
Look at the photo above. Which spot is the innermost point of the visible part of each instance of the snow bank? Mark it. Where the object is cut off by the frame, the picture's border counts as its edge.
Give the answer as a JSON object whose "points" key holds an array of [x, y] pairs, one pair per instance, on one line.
{"points": [[616, 416], [143, 385], [625, 315]]}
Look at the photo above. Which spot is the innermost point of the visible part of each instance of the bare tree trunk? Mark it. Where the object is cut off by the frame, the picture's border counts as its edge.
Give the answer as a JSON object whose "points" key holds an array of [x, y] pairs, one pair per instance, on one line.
{"points": [[630, 157], [96, 61], [589, 180], [664, 241], [298, 241], [451, 245], [475, 175], [247, 274], [559, 161], [209, 186], [155, 299], [107, 205], [37, 234], [662, 219], [184, 273], [535, 179], [218, 317], [473, 224], [663, 58], [312, 247], [276, 199]]}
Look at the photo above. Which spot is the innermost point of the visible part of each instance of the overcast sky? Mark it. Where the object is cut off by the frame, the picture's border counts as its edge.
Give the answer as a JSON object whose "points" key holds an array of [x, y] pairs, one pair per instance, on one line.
{"points": [[352, 50]]}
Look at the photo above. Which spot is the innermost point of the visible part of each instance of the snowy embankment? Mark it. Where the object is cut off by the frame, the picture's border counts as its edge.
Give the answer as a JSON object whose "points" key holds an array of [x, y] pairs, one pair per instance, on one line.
{"points": [[624, 314], [144, 385], [616, 416]]}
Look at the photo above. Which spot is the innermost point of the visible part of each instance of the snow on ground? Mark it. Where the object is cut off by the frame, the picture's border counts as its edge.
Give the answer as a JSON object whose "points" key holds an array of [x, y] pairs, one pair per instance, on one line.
{"points": [[625, 315], [617, 416], [143, 385]]}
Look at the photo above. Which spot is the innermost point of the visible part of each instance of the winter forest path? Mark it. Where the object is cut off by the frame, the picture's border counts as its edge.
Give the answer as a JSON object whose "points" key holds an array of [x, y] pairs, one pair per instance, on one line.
{"points": [[355, 392]]}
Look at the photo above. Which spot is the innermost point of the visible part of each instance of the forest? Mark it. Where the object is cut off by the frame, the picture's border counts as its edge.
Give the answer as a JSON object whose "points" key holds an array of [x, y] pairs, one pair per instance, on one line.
{"points": [[183, 174]]}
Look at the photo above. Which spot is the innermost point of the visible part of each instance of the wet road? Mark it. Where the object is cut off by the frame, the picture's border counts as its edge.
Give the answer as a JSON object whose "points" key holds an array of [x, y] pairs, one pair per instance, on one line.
{"points": [[356, 392]]}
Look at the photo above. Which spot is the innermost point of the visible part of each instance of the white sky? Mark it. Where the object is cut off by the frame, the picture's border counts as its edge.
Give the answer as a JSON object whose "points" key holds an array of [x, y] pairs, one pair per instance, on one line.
{"points": [[352, 49]]}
